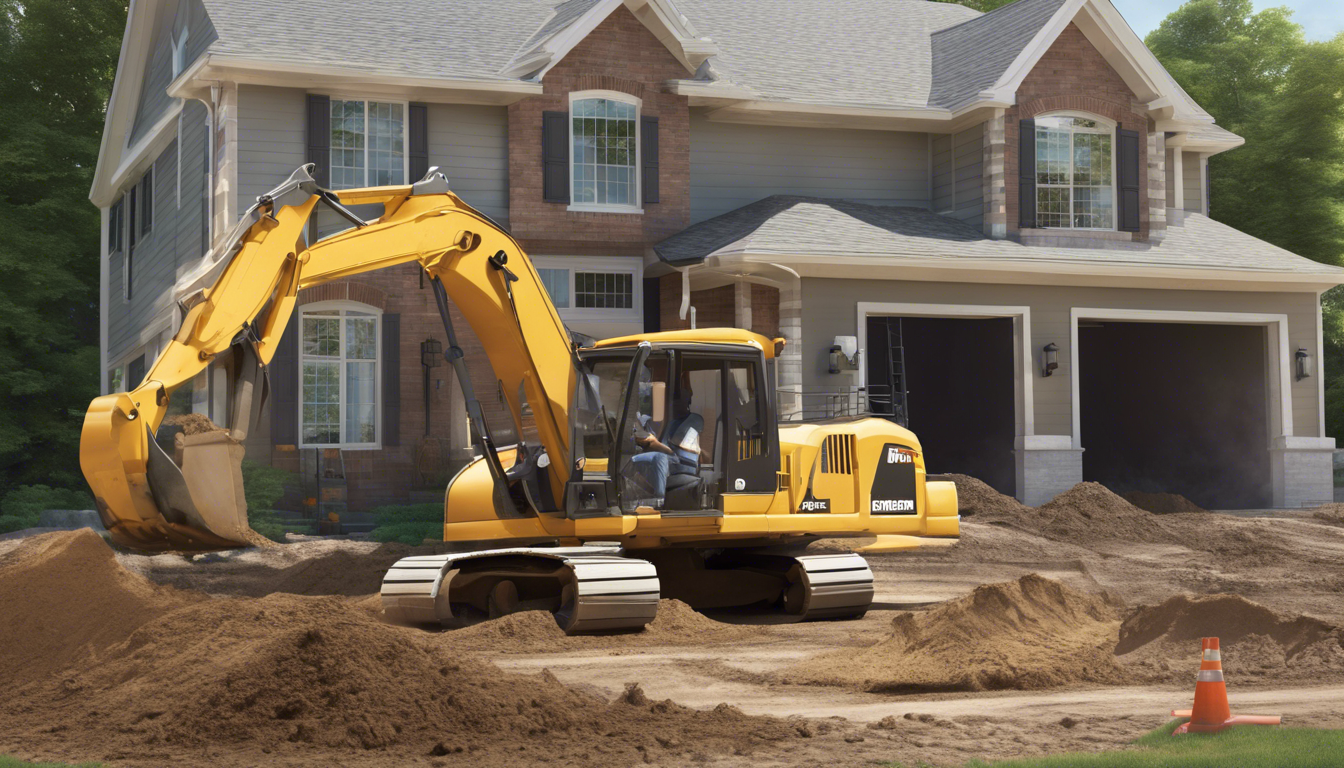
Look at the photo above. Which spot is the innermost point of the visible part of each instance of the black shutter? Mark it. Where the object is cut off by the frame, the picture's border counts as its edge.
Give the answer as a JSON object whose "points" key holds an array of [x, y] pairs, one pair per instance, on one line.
{"points": [[1127, 168], [147, 202], [391, 379], [649, 157], [418, 133], [1026, 174], [555, 156], [319, 137], [284, 373]]}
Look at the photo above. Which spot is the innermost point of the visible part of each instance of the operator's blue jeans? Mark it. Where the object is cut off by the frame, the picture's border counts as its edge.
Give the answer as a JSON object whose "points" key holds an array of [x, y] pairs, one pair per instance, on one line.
{"points": [[655, 467]]}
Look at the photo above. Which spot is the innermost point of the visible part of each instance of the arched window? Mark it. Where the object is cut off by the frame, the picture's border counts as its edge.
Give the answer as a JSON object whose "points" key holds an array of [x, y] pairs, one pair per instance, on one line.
{"points": [[1075, 172], [340, 350], [604, 161]]}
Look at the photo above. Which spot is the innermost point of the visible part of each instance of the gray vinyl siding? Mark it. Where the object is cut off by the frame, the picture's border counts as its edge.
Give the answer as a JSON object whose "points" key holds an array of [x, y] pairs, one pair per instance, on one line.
{"points": [[734, 165], [1192, 182], [829, 311], [468, 143], [957, 167], [171, 247], [154, 99]]}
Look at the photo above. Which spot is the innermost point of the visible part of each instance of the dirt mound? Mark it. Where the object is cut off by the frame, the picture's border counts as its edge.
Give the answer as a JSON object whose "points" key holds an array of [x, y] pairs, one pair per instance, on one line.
{"points": [[194, 423], [66, 599], [975, 497], [1162, 503], [1087, 514], [1162, 641], [1329, 513], [536, 632], [1029, 634], [173, 674]]}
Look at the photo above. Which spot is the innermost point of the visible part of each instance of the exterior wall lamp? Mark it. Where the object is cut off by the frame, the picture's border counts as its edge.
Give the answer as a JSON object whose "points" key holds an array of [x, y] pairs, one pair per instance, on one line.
{"points": [[1049, 359], [1303, 363]]}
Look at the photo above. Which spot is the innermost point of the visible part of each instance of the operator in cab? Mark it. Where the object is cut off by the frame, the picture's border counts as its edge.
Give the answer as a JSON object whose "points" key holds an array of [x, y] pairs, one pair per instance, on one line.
{"points": [[677, 453]]}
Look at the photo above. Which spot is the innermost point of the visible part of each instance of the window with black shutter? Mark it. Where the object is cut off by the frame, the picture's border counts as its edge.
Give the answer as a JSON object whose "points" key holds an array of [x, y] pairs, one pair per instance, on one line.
{"points": [[649, 157], [1026, 174], [147, 202], [1127, 169], [555, 156], [417, 154]]}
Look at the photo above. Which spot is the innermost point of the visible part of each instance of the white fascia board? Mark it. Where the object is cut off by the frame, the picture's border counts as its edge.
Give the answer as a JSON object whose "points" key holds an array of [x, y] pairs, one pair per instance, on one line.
{"points": [[125, 96], [708, 90], [136, 158], [216, 67], [1036, 272]]}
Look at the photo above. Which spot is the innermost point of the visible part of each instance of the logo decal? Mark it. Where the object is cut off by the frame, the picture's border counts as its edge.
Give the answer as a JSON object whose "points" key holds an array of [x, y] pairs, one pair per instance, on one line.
{"points": [[814, 505], [899, 456], [893, 488], [888, 506]]}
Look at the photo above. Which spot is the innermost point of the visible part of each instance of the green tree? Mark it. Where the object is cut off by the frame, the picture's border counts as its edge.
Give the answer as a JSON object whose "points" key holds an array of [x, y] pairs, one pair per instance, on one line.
{"points": [[1258, 77], [57, 61]]}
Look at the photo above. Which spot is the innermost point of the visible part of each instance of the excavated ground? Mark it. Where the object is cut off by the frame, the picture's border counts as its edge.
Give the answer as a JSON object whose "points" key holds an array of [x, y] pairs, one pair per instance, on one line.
{"points": [[1073, 626]]}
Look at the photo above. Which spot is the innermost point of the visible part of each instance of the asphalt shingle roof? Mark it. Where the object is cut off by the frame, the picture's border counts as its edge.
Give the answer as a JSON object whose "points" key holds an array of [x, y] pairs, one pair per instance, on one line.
{"points": [[789, 225], [971, 56]]}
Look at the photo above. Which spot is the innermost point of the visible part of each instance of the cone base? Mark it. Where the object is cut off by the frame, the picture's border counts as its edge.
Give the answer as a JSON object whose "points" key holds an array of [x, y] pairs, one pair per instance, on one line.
{"points": [[1233, 720]]}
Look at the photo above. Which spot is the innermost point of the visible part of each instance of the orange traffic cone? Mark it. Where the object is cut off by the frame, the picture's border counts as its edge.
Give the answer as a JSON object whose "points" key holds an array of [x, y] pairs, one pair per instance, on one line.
{"points": [[1211, 712]]}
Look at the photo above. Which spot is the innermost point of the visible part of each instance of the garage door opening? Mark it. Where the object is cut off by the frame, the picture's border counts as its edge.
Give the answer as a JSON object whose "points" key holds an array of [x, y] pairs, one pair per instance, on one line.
{"points": [[958, 379], [1176, 408]]}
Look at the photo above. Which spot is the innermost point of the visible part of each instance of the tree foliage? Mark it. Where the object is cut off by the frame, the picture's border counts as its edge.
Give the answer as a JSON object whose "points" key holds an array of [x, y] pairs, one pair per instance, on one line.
{"points": [[57, 61], [980, 5], [1257, 75]]}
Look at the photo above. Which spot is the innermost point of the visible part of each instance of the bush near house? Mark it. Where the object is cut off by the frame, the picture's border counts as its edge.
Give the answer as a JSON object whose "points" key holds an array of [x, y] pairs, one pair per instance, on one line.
{"points": [[21, 506], [408, 524], [263, 487]]}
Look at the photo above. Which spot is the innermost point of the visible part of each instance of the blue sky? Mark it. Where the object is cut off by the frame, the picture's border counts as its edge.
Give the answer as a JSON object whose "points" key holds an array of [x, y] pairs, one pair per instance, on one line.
{"points": [[1322, 19]]}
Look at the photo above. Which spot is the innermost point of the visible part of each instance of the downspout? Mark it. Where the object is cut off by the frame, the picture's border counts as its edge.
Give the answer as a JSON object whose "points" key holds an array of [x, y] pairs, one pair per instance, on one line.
{"points": [[686, 296]]}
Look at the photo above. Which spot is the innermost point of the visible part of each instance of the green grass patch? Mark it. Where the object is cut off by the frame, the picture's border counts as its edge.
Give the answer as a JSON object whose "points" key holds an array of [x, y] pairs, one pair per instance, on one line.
{"points": [[1246, 746], [408, 523], [14, 762]]}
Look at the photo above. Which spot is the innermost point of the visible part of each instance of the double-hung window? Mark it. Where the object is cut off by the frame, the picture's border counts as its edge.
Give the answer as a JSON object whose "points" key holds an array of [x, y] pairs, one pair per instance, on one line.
{"points": [[339, 397], [1075, 172], [601, 288], [604, 156], [368, 143]]}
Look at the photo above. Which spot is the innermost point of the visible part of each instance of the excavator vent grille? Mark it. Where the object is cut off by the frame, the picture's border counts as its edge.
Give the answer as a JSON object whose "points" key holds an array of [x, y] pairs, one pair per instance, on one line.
{"points": [[838, 456]]}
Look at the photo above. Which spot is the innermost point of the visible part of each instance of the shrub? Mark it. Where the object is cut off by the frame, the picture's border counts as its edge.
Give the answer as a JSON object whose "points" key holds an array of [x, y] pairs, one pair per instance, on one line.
{"points": [[21, 507], [263, 487], [408, 524]]}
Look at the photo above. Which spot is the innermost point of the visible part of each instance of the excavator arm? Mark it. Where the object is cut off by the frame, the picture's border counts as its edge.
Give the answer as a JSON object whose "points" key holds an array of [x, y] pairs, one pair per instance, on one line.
{"points": [[194, 498]]}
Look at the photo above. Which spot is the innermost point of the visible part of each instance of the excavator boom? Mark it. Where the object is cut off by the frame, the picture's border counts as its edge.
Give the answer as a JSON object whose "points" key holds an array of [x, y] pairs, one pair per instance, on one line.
{"points": [[193, 499]]}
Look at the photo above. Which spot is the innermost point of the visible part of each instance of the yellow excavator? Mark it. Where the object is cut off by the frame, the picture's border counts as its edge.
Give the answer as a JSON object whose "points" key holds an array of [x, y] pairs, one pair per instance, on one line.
{"points": [[655, 465]]}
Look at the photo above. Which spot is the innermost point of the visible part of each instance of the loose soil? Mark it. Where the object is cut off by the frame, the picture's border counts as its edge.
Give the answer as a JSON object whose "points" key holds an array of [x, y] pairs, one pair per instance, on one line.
{"points": [[1030, 634], [1162, 503], [224, 657], [194, 423], [975, 497]]}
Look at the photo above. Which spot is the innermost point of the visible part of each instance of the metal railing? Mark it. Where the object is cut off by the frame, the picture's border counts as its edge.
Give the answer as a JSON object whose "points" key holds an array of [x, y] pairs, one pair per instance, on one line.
{"points": [[818, 403]]}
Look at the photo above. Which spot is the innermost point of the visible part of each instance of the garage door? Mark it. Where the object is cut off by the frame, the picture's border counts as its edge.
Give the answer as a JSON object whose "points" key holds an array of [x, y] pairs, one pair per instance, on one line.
{"points": [[1176, 408], [957, 377]]}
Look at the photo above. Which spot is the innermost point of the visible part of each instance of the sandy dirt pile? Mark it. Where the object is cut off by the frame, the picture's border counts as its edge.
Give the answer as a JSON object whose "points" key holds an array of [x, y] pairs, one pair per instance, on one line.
{"points": [[65, 599], [134, 671], [1161, 642], [1029, 634], [976, 498], [1162, 503], [194, 423], [1330, 513], [536, 631]]}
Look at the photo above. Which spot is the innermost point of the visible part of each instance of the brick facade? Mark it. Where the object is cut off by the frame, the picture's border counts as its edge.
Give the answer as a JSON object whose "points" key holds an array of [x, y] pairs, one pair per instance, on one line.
{"points": [[1073, 75], [621, 54], [717, 307]]}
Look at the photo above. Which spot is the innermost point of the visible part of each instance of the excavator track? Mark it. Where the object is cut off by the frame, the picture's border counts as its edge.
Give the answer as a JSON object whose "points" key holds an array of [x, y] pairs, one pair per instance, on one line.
{"points": [[829, 587], [587, 589]]}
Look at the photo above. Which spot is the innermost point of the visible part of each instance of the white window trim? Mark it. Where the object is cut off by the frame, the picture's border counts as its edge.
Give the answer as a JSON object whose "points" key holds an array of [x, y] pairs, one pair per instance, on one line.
{"points": [[356, 306], [1110, 127], [405, 133], [617, 264], [638, 206]]}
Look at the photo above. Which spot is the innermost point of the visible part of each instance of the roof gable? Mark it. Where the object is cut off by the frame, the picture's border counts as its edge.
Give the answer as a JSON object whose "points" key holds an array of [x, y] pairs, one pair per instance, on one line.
{"points": [[573, 20]]}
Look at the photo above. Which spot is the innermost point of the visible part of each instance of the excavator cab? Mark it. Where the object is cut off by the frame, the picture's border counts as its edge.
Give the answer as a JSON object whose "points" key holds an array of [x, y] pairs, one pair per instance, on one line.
{"points": [[681, 423]]}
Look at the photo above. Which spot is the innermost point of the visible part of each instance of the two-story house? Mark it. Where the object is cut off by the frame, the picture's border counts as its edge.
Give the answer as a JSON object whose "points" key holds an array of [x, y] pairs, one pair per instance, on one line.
{"points": [[993, 226]]}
